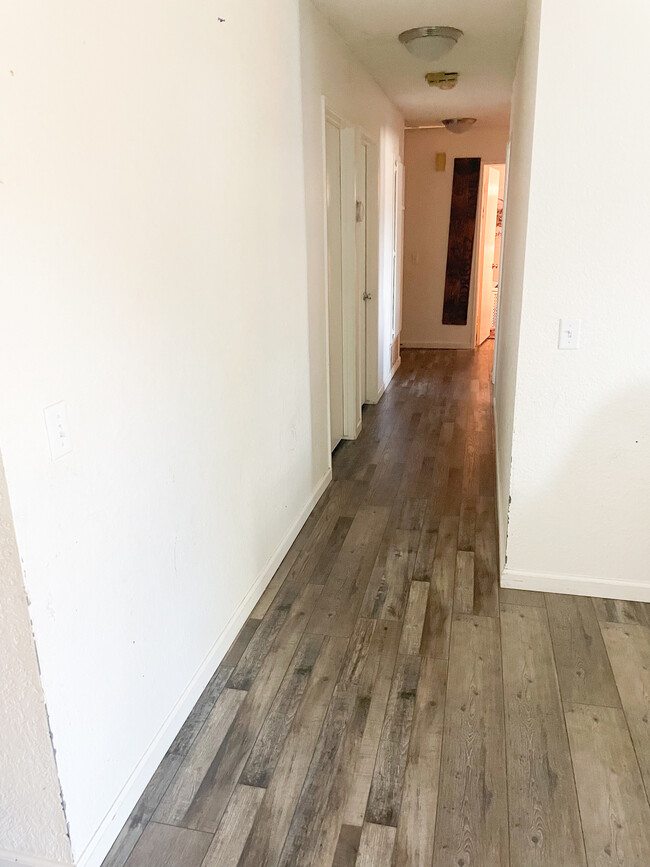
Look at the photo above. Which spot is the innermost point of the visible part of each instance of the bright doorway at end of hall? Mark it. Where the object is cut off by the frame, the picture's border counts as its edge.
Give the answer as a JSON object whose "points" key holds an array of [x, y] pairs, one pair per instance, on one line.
{"points": [[490, 243]]}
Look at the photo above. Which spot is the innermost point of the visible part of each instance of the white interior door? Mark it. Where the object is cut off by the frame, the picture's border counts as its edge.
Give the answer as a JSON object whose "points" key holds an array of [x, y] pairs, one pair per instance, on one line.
{"points": [[362, 266], [490, 204], [334, 278]]}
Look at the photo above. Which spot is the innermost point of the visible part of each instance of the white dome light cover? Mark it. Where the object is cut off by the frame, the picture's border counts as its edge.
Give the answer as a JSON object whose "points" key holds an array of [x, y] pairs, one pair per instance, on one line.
{"points": [[430, 43], [459, 124]]}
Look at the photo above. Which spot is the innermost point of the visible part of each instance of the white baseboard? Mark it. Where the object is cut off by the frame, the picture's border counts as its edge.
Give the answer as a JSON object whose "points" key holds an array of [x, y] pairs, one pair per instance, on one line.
{"points": [[434, 344], [18, 859], [576, 585], [104, 837], [392, 373], [390, 376]]}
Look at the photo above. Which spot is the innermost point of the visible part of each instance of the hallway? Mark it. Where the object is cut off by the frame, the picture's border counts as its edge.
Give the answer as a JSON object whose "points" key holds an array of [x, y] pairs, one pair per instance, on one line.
{"points": [[385, 704]]}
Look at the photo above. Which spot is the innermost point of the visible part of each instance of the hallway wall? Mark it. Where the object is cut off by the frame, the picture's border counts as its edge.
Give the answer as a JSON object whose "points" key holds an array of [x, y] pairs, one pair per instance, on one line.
{"points": [[580, 483], [31, 814], [426, 230], [154, 276], [329, 69], [506, 357]]}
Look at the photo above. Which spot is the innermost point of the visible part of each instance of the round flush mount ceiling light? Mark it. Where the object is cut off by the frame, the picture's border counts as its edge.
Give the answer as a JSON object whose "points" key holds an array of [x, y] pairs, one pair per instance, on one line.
{"points": [[430, 43], [459, 124]]}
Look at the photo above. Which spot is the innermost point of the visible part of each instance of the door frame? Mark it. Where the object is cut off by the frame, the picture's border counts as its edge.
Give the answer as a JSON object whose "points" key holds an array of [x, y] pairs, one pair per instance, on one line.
{"points": [[503, 249], [477, 258], [368, 388], [351, 138]]}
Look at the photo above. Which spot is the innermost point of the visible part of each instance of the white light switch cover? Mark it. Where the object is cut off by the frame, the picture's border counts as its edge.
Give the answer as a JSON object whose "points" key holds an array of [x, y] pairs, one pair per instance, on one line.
{"points": [[58, 429], [569, 334]]}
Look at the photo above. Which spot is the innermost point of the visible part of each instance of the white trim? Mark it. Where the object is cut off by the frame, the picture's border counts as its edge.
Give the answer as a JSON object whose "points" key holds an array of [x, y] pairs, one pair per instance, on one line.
{"points": [[325, 112], [19, 859], [502, 507], [392, 373], [350, 304], [386, 383], [434, 344], [504, 223], [576, 585], [477, 254], [374, 244], [106, 834]]}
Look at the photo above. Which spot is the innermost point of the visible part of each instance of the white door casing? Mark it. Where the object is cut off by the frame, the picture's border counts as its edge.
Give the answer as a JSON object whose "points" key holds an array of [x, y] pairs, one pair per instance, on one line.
{"points": [[334, 278]]}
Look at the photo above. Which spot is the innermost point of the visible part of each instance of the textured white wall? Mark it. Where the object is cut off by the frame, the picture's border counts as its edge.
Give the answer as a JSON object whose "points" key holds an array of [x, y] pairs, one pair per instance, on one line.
{"points": [[31, 815], [580, 483], [513, 258], [154, 277], [428, 204], [329, 69]]}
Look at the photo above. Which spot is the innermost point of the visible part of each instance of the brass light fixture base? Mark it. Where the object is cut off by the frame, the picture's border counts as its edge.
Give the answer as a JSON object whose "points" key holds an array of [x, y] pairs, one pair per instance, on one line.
{"points": [[443, 80]]}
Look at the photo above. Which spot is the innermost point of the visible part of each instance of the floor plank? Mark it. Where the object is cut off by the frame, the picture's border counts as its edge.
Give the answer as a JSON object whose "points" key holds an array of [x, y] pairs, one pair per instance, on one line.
{"points": [[376, 846], [583, 667], [387, 636], [387, 781], [167, 846], [232, 833], [613, 805], [217, 786], [347, 846], [143, 811], [343, 593], [414, 618], [181, 793], [437, 623], [628, 647], [264, 845], [486, 572], [620, 611], [464, 585], [472, 819], [263, 758], [320, 793], [508, 596], [543, 806], [417, 818]]}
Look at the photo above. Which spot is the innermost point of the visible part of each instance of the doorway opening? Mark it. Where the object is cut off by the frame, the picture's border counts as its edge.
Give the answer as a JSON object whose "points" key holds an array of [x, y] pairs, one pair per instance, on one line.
{"points": [[490, 246]]}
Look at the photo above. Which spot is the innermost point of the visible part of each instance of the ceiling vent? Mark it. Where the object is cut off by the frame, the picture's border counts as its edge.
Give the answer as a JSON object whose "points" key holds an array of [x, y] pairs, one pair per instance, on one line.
{"points": [[443, 80]]}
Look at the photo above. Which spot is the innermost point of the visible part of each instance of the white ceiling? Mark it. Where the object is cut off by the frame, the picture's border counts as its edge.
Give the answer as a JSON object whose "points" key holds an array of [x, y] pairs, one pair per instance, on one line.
{"points": [[485, 56]]}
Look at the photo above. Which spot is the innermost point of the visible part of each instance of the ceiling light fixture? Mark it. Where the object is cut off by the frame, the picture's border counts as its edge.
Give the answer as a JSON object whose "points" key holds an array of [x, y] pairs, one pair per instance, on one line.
{"points": [[443, 80], [459, 124], [430, 43]]}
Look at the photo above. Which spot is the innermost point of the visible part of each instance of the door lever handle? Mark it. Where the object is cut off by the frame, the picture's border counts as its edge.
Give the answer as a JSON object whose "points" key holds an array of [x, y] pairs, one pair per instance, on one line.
{"points": [[367, 296]]}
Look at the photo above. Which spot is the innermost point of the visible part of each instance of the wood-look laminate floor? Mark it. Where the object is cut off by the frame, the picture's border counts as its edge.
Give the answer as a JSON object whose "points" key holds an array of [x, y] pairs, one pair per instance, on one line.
{"points": [[385, 705]]}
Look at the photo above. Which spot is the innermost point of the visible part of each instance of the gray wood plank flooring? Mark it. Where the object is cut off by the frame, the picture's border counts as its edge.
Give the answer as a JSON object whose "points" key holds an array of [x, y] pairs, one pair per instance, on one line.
{"points": [[387, 704]]}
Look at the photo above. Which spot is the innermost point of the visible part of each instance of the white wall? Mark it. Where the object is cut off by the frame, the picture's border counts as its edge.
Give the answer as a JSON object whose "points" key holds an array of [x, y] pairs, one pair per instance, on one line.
{"points": [[511, 284], [330, 70], [428, 204], [31, 814], [163, 274], [154, 276], [580, 482]]}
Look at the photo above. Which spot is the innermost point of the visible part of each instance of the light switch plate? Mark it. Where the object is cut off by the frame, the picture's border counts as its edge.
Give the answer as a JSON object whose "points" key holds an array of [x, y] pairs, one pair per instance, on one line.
{"points": [[569, 334], [58, 429]]}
